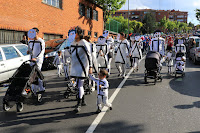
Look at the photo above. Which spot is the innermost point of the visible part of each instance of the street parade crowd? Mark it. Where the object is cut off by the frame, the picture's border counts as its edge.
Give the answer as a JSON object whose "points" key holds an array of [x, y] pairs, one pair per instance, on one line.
{"points": [[83, 60]]}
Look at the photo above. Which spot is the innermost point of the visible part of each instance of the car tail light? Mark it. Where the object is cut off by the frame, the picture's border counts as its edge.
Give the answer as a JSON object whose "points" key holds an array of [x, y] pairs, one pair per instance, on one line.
{"points": [[198, 50]]}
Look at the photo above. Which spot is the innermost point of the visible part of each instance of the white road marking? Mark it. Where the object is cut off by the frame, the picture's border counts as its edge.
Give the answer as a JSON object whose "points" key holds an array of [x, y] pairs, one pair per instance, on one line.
{"points": [[111, 99]]}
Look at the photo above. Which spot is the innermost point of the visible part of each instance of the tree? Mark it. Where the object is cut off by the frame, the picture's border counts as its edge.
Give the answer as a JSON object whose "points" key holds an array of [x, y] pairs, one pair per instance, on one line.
{"points": [[110, 6], [198, 14], [149, 23], [191, 25], [171, 26], [163, 23]]}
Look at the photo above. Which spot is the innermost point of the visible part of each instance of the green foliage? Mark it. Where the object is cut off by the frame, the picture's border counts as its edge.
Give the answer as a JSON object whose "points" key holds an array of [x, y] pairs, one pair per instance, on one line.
{"points": [[134, 25], [198, 14], [110, 6], [149, 22]]}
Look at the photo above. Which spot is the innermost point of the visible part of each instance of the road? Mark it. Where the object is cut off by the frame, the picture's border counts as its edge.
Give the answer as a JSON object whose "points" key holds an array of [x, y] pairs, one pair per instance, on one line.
{"points": [[171, 106]]}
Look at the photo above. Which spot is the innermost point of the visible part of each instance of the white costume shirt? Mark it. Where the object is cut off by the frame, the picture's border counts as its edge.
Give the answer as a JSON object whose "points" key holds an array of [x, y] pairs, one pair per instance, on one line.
{"points": [[136, 50], [180, 48], [103, 91], [58, 60], [122, 52], [158, 45], [81, 59], [66, 57], [93, 51], [102, 52], [181, 65]]}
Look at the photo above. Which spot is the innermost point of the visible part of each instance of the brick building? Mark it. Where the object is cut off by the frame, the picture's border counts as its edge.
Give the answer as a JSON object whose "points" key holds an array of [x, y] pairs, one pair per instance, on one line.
{"points": [[53, 18], [138, 14]]}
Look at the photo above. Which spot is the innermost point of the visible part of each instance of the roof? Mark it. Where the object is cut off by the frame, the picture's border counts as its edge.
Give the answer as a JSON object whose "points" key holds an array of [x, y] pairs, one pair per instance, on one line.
{"points": [[151, 10], [3, 45]]}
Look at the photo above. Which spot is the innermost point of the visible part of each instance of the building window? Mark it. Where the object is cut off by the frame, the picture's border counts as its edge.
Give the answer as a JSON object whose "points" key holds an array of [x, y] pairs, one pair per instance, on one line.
{"points": [[180, 20], [89, 12], [180, 16], [55, 3], [83, 31], [48, 37], [95, 34], [95, 15], [133, 13], [11, 37], [81, 9], [89, 33], [146, 12]]}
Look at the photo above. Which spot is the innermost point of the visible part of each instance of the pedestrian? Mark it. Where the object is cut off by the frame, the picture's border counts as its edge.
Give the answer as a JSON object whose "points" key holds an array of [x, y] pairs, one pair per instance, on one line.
{"points": [[94, 60], [102, 90], [110, 43], [102, 53], [36, 48], [122, 55], [24, 40], [81, 62], [136, 52], [58, 61], [66, 62]]}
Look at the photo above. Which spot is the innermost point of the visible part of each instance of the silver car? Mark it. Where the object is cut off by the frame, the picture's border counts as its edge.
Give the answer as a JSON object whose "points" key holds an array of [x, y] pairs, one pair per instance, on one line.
{"points": [[195, 50]]}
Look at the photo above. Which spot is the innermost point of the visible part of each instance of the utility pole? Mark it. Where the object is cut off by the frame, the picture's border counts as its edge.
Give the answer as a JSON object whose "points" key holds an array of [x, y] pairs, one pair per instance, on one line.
{"points": [[128, 17]]}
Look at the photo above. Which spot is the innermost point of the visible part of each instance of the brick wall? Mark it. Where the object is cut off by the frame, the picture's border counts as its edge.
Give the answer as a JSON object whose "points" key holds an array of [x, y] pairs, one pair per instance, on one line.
{"points": [[24, 14]]}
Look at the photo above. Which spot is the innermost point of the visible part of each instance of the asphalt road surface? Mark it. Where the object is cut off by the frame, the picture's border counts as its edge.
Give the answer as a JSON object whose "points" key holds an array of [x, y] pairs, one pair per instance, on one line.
{"points": [[170, 106]]}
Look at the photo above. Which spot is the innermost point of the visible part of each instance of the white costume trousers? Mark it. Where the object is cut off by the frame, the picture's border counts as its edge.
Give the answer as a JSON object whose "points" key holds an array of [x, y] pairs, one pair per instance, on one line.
{"points": [[80, 83], [102, 99], [66, 70], [59, 70], [92, 84], [121, 69]]}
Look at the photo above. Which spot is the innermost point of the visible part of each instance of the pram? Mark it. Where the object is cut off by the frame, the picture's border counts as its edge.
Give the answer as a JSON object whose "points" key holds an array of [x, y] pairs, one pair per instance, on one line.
{"points": [[180, 50], [179, 61], [152, 65], [20, 86], [72, 89]]}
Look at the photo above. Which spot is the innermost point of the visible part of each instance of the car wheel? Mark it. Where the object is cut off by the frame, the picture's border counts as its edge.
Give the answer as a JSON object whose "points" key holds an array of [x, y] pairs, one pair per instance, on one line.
{"points": [[19, 106], [6, 107]]}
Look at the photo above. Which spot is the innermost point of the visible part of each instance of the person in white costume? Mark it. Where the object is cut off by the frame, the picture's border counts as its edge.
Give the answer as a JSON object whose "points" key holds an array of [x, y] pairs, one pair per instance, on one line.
{"points": [[102, 53], [122, 55], [110, 43], [158, 43], [81, 62], [169, 60], [36, 48], [136, 52], [102, 90], [66, 61], [58, 61], [94, 60]]}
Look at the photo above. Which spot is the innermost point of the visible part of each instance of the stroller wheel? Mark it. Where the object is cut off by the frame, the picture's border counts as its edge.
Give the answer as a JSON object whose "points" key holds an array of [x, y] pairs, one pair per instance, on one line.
{"points": [[175, 75], [66, 95], [6, 107], [155, 80], [19, 106]]}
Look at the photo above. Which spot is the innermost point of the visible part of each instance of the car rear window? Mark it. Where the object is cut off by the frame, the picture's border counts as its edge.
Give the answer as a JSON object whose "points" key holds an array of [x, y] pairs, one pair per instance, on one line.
{"points": [[23, 49], [10, 52], [1, 58]]}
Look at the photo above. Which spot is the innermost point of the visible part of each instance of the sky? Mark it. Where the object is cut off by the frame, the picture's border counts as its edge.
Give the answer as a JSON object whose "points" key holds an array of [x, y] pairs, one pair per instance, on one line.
{"points": [[182, 5]]}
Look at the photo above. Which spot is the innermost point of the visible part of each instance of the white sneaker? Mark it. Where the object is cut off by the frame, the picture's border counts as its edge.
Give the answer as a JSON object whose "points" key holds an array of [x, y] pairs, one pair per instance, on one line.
{"points": [[93, 88]]}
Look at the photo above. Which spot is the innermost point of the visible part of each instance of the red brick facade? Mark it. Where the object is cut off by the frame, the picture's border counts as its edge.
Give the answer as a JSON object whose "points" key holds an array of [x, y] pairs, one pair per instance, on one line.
{"points": [[139, 14], [25, 14]]}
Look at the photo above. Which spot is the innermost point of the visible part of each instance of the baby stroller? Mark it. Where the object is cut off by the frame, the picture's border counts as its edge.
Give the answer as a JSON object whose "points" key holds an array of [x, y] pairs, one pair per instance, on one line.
{"points": [[152, 65], [20, 86], [180, 59], [72, 89], [180, 63]]}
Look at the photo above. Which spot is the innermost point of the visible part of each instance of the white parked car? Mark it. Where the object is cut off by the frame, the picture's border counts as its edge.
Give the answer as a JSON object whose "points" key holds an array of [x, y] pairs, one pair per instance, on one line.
{"points": [[195, 50], [11, 58]]}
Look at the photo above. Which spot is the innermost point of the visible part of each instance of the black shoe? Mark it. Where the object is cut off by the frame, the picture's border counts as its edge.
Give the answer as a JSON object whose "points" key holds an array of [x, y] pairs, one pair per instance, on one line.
{"points": [[83, 103], [119, 75], [77, 109], [110, 108], [98, 111]]}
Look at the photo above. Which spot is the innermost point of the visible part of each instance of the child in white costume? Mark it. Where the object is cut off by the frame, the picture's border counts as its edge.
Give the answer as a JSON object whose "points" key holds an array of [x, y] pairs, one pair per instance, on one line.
{"points": [[102, 90], [136, 52], [58, 61], [122, 55], [169, 60], [181, 64]]}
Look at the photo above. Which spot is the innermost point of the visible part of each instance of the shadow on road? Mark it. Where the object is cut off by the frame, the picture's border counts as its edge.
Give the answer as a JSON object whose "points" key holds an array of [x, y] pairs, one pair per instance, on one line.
{"points": [[188, 106], [117, 127], [188, 85]]}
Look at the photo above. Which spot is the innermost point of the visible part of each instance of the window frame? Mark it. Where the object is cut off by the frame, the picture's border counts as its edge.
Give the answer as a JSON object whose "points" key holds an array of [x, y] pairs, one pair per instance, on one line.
{"points": [[17, 48], [1, 55], [90, 33], [95, 15], [91, 14], [95, 36], [5, 53], [80, 9], [58, 3]]}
